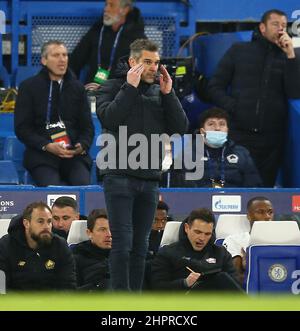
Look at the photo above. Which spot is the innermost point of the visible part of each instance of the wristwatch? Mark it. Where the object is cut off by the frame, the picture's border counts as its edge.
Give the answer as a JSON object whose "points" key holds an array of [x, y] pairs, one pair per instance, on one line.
{"points": [[44, 148]]}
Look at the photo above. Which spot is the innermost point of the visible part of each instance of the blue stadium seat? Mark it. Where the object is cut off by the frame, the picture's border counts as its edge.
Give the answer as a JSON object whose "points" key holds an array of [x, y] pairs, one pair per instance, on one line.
{"points": [[270, 268], [13, 150], [98, 129], [28, 179], [8, 173], [272, 256], [94, 180], [24, 72], [209, 49], [4, 76]]}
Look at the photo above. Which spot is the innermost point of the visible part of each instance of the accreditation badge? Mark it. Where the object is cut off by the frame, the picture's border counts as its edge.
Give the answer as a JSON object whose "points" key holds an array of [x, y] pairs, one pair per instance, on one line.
{"points": [[101, 76], [58, 134], [217, 184]]}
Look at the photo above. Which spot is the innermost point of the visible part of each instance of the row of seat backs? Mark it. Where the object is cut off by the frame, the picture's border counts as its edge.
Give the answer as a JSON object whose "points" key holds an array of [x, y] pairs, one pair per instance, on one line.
{"points": [[21, 73], [12, 170], [227, 224], [207, 49], [271, 233]]}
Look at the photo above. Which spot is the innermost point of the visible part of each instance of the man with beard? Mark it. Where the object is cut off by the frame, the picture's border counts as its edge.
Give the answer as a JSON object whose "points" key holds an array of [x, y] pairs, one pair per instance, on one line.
{"points": [[135, 103], [33, 258], [106, 41]]}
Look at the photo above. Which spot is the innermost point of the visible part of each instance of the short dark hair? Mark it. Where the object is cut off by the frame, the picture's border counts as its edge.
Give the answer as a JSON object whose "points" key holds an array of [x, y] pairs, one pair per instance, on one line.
{"points": [[64, 201], [268, 13], [213, 112], [27, 213], [251, 201], [162, 205], [204, 214], [140, 45], [94, 215], [44, 50]]}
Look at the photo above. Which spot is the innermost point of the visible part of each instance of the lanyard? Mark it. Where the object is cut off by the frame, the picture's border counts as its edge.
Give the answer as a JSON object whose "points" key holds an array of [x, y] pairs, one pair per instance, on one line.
{"points": [[210, 168], [113, 51], [50, 101]]}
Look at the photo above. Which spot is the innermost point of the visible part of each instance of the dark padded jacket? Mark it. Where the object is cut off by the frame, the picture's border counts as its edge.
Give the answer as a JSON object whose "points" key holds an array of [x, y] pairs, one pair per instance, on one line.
{"points": [[86, 52], [143, 110], [31, 115], [253, 82], [46, 268], [91, 266], [239, 168], [169, 266]]}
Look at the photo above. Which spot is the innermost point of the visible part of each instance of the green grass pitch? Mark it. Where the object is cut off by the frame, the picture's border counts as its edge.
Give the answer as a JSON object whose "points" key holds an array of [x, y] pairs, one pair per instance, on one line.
{"points": [[145, 302]]}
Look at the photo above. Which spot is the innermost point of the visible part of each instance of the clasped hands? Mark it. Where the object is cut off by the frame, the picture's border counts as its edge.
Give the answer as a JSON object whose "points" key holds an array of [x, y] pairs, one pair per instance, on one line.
{"points": [[63, 152]]}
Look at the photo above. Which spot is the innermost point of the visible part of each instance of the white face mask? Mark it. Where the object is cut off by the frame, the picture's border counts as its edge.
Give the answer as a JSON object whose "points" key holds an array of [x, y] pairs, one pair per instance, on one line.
{"points": [[216, 138]]}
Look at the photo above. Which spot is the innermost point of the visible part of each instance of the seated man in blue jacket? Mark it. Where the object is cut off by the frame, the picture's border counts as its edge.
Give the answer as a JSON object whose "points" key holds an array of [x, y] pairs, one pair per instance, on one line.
{"points": [[225, 163], [32, 257], [194, 262]]}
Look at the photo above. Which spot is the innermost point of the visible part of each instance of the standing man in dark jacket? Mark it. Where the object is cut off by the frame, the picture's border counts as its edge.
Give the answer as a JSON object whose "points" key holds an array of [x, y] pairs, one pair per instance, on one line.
{"points": [[33, 258], [194, 262], [252, 82], [53, 120], [107, 41], [134, 105]]}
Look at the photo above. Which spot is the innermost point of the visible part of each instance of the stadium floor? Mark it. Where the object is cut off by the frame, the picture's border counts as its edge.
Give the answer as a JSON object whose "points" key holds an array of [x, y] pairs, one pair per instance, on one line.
{"points": [[146, 302]]}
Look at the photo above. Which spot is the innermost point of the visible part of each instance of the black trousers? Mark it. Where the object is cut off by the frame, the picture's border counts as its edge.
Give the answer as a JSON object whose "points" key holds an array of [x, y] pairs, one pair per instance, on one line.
{"points": [[71, 172]]}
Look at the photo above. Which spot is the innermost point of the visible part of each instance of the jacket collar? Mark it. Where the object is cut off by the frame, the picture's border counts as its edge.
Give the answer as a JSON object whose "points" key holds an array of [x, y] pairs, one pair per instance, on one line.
{"points": [[67, 77], [257, 36]]}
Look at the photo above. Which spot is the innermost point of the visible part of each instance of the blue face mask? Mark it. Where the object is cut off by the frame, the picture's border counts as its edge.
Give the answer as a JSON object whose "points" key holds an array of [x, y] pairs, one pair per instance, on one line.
{"points": [[216, 138]]}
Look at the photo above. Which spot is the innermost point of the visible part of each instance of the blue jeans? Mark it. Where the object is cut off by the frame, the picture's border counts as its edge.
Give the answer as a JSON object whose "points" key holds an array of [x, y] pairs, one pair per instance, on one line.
{"points": [[131, 205]]}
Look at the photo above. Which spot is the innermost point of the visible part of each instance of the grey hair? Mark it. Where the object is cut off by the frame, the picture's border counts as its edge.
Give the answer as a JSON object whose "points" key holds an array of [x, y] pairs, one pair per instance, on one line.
{"points": [[44, 50], [140, 45]]}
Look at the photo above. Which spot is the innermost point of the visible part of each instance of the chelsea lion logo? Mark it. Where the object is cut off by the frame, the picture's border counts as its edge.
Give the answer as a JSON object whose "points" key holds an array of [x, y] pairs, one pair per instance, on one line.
{"points": [[277, 272]]}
